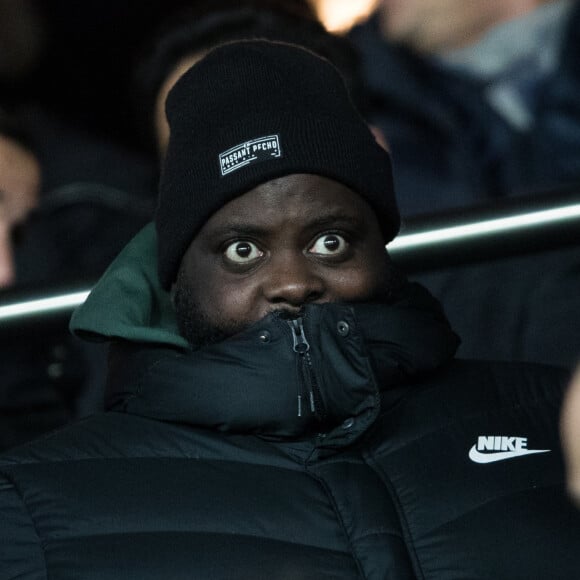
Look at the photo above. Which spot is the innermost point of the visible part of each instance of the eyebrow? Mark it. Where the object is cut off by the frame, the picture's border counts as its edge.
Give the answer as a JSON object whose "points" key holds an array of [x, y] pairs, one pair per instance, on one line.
{"points": [[236, 228]]}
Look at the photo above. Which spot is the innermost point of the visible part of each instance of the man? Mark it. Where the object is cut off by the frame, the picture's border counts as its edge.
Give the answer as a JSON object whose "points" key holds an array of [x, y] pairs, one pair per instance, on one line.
{"points": [[479, 101], [283, 404]]}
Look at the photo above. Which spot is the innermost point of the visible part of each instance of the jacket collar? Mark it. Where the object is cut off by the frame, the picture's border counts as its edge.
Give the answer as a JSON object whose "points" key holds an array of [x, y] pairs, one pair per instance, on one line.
{"points": [[322, 374]]}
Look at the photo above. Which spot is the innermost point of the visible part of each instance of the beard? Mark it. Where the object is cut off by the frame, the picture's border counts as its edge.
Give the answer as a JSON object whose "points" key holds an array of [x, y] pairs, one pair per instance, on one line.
{"points": [[194, 324], [200, 330]]}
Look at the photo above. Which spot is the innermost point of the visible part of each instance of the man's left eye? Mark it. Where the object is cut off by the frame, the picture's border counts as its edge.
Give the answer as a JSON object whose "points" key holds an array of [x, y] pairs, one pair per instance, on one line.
{"points": [[329, 245]]}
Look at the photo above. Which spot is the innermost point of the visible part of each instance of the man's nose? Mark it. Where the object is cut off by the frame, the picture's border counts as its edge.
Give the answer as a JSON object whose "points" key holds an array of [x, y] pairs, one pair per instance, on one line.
{"points": [[293, 280]]}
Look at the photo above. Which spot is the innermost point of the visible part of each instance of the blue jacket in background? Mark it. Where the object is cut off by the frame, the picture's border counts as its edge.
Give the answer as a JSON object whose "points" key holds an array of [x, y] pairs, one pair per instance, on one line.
{"points": [[450, 147]]}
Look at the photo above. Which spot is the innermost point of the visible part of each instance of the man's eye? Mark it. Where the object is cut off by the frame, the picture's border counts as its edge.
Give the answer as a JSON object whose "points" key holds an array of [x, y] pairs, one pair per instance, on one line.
{"points": [[242, 252], [329, 245]]}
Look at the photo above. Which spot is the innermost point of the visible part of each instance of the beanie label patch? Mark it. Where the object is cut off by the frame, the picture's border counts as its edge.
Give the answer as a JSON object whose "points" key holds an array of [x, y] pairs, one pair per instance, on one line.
{"points": [[255, 150]]}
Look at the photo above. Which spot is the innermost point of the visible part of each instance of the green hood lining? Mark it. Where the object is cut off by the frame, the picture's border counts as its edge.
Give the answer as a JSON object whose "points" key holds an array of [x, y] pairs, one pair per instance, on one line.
{"points": [[128, 302]]}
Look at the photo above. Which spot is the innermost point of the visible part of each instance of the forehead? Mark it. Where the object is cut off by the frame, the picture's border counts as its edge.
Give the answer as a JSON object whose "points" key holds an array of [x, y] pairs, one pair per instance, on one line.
{"points": [[294, 199]]}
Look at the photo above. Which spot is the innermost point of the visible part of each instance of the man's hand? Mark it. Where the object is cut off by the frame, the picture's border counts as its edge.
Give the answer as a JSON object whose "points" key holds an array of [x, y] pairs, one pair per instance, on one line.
{"points": [[570, 429], [19, 188]]}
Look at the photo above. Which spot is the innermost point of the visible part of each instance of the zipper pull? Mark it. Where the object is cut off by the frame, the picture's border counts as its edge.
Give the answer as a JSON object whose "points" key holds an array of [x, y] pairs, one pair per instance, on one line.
{"points": [[301, 345]]}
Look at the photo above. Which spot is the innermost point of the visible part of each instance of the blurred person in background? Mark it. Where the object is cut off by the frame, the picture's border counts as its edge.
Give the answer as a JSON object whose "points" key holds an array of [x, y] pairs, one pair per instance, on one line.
{"points": [[36, 392], [478, 99], [570, 428], [22, 39], [479, 102], [31, 400], [69, 200], [19, 190]]}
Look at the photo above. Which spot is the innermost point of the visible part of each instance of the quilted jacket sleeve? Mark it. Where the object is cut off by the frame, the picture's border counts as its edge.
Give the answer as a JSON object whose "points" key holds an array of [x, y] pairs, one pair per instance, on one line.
{"points": [[21, 555]]}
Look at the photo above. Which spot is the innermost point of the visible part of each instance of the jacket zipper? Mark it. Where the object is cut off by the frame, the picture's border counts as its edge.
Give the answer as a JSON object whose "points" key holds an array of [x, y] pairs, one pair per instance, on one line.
{"points": [[301, 346]]}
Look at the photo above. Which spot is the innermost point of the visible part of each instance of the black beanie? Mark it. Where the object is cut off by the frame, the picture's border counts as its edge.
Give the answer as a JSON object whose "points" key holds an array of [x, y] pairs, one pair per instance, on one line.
{"points": [[250, 112]]}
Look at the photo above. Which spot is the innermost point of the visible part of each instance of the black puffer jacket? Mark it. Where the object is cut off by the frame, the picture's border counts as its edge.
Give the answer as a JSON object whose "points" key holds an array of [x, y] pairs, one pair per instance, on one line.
{"points": [[397, 463]]}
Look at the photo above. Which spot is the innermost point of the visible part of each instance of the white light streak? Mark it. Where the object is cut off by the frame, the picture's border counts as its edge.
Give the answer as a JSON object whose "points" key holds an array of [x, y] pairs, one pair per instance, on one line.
{"points": [[43, 305], [485, 228]]}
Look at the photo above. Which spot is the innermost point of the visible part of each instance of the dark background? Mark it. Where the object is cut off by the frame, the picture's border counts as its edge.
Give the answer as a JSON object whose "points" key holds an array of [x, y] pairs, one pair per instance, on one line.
{"points": [[85, 66]]}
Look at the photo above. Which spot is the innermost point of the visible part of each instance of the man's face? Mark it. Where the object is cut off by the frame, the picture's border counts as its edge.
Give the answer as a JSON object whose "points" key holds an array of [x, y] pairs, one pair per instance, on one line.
{"points": [[435, 26], [289, 242]]}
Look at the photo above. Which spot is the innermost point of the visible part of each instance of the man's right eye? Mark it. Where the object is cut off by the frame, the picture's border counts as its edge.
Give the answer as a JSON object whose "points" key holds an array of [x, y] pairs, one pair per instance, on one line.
{"points": [[242, 252]]}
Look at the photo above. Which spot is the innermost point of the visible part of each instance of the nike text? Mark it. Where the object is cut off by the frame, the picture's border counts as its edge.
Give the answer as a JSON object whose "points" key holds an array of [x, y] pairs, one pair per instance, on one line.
{"points": [[492, 448]]}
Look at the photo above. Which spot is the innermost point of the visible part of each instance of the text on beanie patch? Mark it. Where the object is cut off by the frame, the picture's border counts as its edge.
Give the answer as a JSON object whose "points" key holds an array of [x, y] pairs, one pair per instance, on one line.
{"points": [[260, 149]]}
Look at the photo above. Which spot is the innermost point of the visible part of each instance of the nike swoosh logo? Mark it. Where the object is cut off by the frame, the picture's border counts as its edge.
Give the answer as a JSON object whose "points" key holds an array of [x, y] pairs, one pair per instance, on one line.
{"points": [[478, 457]]}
